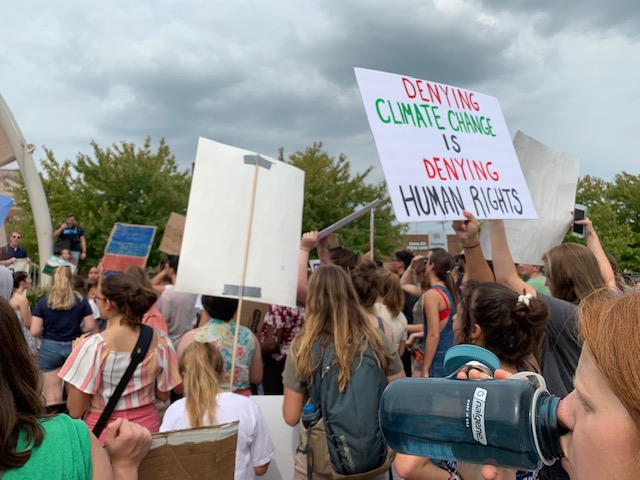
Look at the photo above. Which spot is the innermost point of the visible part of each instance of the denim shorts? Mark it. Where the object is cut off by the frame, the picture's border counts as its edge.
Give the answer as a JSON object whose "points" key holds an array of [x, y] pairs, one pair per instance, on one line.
{"points": [[53, 354]]}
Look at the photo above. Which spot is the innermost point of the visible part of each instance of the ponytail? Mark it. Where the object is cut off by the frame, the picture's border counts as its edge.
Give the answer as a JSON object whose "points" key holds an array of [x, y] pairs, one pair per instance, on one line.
{"points": [[201, 366]]}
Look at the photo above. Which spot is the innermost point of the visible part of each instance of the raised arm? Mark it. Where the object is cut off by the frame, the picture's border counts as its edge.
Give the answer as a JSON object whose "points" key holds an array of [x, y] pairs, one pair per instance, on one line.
{"points": [[408, 278], [593, 244], [467, 232], [503, 266], [308, 242]]}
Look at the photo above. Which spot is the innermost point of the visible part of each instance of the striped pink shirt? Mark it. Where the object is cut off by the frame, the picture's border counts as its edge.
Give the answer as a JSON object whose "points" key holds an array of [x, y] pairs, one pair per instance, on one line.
{"points": [[96, 370]]}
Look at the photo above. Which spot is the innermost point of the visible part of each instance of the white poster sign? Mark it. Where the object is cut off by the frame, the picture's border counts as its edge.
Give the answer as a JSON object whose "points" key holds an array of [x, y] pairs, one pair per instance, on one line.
{"points": [[443, 150], [552, 177], [231, 200]]}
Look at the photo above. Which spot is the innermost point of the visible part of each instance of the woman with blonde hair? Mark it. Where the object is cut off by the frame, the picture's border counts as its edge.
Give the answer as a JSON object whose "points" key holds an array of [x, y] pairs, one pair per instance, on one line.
{"points": [[334, 320], [204, 403], [97, 364], [59, 318]]}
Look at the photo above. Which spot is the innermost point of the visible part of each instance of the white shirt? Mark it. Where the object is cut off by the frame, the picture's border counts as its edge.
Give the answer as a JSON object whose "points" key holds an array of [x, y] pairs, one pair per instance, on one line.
{"points": [[255, 447]]}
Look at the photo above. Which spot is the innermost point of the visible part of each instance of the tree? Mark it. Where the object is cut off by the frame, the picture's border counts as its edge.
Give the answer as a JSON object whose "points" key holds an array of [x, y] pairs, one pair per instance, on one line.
{"points": [[124, 183], [614, 209], [332, 193]]}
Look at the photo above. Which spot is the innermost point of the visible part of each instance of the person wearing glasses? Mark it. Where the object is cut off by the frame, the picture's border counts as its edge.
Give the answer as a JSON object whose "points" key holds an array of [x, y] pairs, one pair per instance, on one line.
{"points": [[13, 251]]}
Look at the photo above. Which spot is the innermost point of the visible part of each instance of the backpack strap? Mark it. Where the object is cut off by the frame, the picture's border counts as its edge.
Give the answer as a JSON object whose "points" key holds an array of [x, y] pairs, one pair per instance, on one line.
{"points": [[137, 355], [380, 324]]}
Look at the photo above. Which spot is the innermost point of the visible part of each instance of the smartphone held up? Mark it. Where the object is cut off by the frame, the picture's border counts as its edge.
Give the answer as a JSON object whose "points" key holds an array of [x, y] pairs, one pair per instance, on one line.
{"points": [[579, 213]]}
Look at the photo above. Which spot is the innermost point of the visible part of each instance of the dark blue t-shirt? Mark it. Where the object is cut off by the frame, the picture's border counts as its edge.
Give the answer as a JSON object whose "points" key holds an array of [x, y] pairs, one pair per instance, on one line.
{"points": [[72, 236], [62, 325]]}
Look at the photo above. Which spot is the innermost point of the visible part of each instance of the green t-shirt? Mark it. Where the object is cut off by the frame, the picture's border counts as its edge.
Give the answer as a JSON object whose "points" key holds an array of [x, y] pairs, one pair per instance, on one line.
{"points": [[65, 452], [538, 284]]}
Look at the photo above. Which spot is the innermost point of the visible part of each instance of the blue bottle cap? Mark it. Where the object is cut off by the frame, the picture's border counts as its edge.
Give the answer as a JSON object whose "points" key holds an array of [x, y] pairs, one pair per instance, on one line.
{"points": [[458, 355], [309, 408]]}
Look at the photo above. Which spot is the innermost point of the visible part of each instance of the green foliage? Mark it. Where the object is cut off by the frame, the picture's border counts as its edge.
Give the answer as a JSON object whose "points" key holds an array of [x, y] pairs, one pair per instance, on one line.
{"points": [[124, 183], [332, 193], [614, 210]]}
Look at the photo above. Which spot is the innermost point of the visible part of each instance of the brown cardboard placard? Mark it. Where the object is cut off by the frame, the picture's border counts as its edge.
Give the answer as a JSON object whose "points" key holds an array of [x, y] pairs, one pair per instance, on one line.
{"points": [[197, 453], [172, 237], [252, 315]]}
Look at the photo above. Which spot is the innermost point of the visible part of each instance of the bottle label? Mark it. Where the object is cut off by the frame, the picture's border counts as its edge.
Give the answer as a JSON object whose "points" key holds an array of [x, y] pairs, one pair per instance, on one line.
{"points": [[477, 415]]}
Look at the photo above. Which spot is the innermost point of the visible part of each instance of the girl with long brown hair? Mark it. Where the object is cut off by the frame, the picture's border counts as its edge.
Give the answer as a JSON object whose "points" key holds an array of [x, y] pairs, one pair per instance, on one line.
{"points": [[34, 444], [334, 318]]}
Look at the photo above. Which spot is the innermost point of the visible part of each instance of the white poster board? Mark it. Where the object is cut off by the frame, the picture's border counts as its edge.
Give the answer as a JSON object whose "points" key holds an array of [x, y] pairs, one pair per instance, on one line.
{"points": [[552, 177], [443, 150], [217, 226], [285, 438]]}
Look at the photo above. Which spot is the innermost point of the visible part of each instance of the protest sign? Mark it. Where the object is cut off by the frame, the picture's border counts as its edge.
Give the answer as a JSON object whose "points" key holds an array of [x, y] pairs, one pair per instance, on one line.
{"points": [[172, 237], [242, 231], [443, 150], [128, 245], [348, 219], [197, 453], [552, 177]]}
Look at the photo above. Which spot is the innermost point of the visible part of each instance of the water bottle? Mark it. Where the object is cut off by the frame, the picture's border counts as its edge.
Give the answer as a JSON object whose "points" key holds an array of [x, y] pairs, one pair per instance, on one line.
{"points": [[310, 415], [511, 423]]}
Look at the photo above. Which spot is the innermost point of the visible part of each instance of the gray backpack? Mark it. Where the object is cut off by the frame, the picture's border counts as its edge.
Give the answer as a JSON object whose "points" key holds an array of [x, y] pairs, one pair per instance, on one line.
{"points": [[354, 438]]}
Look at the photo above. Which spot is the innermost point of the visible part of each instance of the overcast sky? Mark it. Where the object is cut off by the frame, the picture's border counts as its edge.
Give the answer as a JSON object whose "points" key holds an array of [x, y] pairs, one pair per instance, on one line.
{"points": [[262, 75]]}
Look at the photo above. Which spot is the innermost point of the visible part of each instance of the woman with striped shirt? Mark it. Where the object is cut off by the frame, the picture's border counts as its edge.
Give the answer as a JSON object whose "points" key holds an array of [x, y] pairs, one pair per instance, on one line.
{"points": [[97, 363]]}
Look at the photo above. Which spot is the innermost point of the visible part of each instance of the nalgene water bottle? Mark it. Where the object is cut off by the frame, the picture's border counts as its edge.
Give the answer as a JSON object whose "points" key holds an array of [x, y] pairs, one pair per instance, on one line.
{"points": [[511, 423]]}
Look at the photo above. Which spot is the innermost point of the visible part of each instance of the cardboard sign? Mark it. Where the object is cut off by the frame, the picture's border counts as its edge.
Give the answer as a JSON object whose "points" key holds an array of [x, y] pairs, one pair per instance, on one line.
{"points": [[552, 177], [172, 237], [443, 150], [198, 453], [252, 315], [244, 220], [128, 245]]}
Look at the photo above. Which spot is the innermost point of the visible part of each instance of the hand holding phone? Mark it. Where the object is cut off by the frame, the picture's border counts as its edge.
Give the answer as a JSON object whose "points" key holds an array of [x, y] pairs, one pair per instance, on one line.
{"points": [[579, 213]]}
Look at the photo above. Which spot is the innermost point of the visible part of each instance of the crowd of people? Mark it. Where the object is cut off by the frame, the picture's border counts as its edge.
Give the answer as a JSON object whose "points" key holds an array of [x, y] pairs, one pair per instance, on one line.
{"points": [[570, 319]]}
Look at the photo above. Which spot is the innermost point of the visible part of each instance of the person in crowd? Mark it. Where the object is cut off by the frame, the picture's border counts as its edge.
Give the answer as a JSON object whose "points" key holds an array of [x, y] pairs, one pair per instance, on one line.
{"points": [[97, 363], [59, 318], [178, 308], [573, 272], [205, 403], [389, 306], [220, 330], [414, 282], [70, 235], [511, 326], [602, 413], [37, 445], [401, 261], [20, 304], [333, 314], [281, 324], [534, 277], [13, 251], [438, 305], [6, 282], [367, 284], [93, 277], [153, 317]]}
